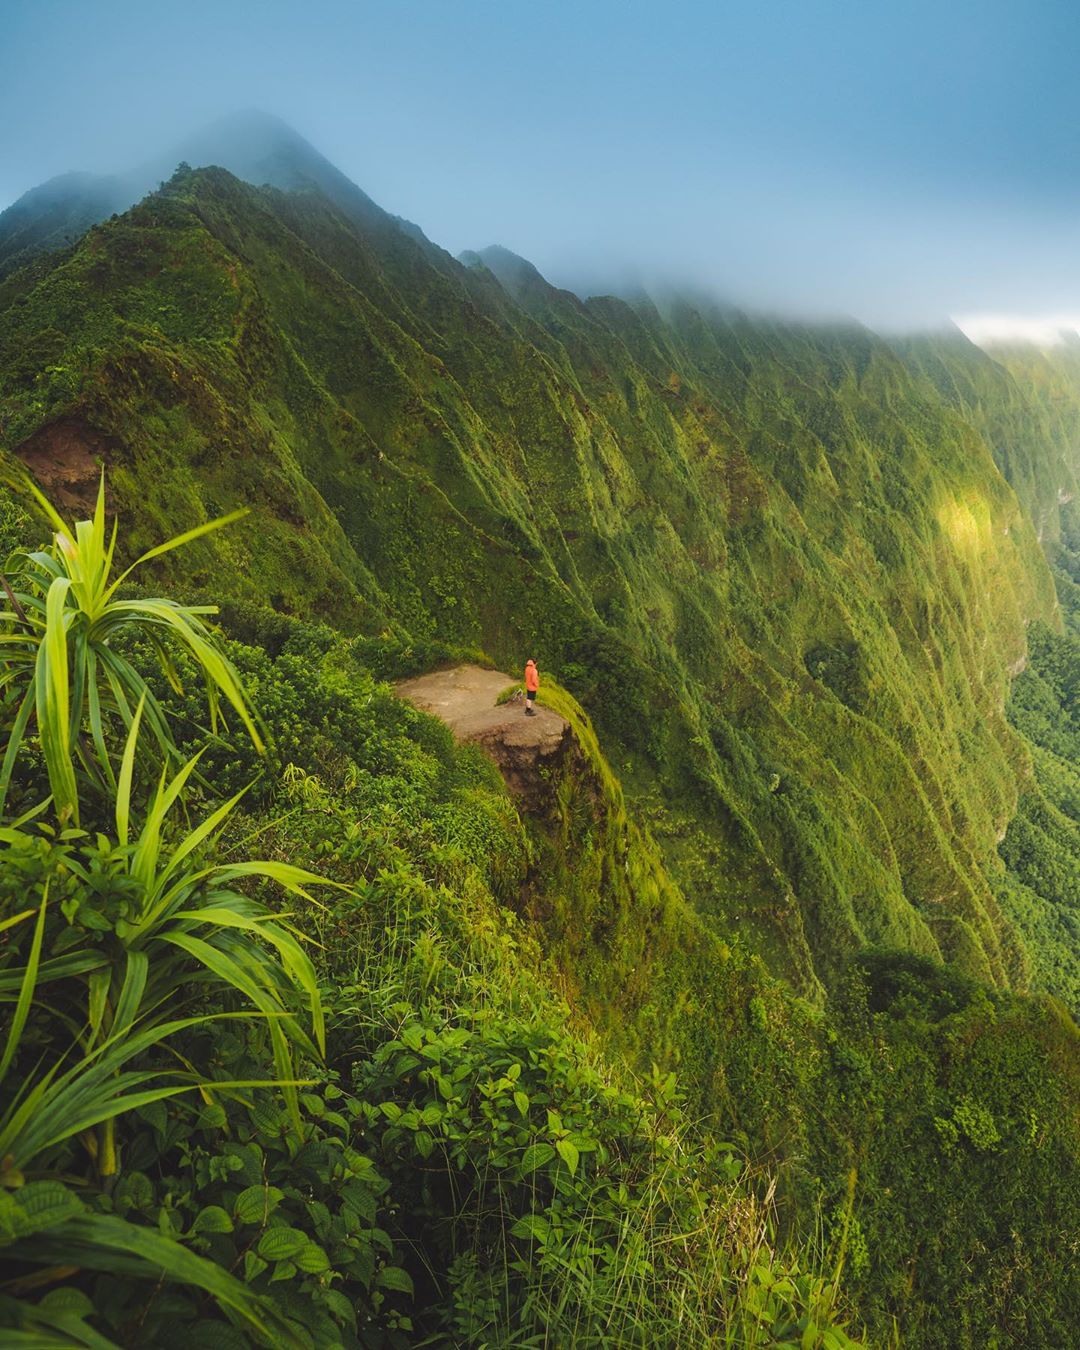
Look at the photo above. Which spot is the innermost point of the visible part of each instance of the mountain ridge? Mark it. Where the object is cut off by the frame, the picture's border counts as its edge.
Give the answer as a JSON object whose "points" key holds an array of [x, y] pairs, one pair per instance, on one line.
{"points": [[458, 417], [256, 146], [790, 572]]}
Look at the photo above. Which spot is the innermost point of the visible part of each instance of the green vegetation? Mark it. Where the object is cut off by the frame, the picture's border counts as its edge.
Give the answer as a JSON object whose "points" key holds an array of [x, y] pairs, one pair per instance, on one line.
{"points": [[62, 669], [750, 1024], [684, 515], [452, 1162]]}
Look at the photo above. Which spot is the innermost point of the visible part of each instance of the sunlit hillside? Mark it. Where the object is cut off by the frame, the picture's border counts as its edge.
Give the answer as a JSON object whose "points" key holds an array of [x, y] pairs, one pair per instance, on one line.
{"points": [[741, 1016]]}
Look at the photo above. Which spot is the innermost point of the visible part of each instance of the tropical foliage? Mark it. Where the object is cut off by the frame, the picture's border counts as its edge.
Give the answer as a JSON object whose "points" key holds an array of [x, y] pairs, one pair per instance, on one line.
{"points": [[131, 937], [64, 606], [180, 1159], [779, 578]]}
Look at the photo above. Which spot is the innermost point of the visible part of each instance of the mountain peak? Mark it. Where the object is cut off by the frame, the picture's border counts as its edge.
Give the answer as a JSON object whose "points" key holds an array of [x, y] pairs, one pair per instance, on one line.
{"points": [[515, 274], [254, 145], [257, 147]]}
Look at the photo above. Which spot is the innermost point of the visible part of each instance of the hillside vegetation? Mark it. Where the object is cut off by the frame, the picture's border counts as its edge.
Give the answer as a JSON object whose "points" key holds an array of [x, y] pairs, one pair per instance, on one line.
{"points": [[757, 1016], [754, 552]]}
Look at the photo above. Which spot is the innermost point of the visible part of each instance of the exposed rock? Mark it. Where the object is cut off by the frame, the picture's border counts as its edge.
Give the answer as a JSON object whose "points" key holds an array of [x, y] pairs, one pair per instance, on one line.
{"points": [[65, 457]]}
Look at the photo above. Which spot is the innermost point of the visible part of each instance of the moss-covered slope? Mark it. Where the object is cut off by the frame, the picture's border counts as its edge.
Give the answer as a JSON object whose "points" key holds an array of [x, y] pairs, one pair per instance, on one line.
{"points": [[784, 574]]}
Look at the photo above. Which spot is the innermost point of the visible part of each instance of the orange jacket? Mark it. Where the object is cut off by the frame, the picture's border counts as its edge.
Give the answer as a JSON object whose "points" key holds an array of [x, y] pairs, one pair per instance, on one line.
{"points": [[532, 677]]}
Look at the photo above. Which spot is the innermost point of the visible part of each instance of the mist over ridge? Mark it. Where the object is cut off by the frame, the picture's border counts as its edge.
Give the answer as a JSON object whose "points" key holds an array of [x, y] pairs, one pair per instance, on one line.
{"points": [[894, 263], [797, 843]]}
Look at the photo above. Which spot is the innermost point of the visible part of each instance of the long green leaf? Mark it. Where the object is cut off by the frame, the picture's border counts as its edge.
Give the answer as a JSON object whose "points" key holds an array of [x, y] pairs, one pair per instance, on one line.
{"points": [[294, 879], [97, 727], [53, 710], [177, 541], [127, 1006], [26, 993], [55, 519], [98, 1087], [15, 918], [93, 1241], [56, 968], [228, 969], [216, 666], [145, 860], [71, 1334], [18, 731], [295, 961], [201, 832], [127, 769], [99, 984]]}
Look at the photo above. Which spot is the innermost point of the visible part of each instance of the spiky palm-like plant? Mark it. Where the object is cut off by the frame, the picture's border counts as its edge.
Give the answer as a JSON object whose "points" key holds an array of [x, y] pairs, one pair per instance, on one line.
{"points": [[60, 665], [114, 948]]}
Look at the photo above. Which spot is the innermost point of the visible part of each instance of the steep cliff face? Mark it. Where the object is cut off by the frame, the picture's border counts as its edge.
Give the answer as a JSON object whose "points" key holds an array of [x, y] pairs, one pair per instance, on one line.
{"points": [[528, 747], [1025, 404], [789, 572], [779, 565]]}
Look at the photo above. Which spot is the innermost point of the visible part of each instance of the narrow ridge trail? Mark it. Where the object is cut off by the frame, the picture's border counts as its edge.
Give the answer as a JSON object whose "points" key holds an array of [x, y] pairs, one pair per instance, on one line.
{"points": [[464, 698]]}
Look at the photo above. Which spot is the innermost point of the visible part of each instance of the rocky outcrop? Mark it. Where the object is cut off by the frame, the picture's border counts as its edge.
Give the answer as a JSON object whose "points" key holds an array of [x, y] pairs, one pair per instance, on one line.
{"points": [[526, 749]]}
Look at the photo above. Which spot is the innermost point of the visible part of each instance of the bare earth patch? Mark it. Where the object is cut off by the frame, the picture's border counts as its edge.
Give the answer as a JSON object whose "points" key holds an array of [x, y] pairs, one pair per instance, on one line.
{"points": [[65, 457]]}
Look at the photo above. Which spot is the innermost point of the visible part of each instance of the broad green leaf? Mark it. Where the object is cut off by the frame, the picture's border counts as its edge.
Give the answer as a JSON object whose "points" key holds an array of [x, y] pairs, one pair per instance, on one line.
{"points": [[256, 1204], [42, 1205], [212, 1219], [312, 1260], [69, 1302], [568, 1153], [341, 1309], [536, 1155], [281, 1244], [254, 1265], [393, 1277]]}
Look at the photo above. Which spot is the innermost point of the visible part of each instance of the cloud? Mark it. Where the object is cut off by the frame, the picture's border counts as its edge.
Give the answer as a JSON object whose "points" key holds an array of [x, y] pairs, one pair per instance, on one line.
{"points": [[1042, 330]]}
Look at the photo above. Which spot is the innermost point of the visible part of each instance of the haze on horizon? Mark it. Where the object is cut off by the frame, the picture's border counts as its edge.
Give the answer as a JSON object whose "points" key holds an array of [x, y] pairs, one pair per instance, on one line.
{"points": [[902, 164]]}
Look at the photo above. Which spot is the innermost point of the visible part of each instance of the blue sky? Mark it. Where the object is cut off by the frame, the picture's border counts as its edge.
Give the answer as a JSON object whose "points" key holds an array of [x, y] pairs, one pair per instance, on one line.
{"points": [[898, 161]]}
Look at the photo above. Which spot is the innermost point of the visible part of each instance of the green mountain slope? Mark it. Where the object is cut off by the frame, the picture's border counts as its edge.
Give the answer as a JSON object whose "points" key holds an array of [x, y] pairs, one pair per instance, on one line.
{"points": [[788, 573], [763, 556], [55, 215]]}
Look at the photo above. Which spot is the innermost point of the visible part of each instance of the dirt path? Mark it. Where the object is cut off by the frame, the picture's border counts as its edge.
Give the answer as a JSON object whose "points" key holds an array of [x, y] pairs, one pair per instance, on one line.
{"points": [[465, 700]]}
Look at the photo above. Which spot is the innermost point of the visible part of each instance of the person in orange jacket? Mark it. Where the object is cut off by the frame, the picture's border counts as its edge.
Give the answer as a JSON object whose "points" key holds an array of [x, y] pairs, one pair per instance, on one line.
{"points": [[532, 684]]}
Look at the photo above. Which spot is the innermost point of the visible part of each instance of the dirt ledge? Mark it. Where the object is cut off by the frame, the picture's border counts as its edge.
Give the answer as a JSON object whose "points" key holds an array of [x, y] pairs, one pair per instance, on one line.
{"points": [[526, 749]]}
